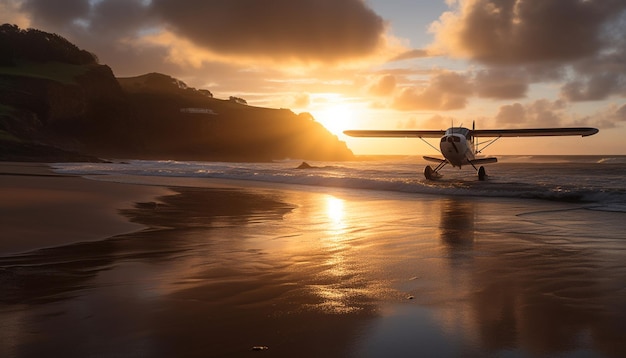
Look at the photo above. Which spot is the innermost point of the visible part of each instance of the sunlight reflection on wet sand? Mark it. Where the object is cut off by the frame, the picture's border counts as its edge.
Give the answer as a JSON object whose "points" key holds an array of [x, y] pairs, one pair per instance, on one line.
{"points": [[369, 274]]}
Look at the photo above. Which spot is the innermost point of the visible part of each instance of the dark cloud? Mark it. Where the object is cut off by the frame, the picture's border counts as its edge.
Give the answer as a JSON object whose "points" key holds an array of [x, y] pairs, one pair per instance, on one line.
{"points": [[102, 20], [108, 28], [306, 30], [540, 113], [130, 35], [596, 87], [599, 77], [500, 84], [579, 42], [58, 13], [120, 17], [520, 32]]}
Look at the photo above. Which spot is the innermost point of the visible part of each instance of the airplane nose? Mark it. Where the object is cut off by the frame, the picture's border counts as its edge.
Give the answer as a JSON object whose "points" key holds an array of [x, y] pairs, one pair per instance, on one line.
{"points": [[451, 140]]}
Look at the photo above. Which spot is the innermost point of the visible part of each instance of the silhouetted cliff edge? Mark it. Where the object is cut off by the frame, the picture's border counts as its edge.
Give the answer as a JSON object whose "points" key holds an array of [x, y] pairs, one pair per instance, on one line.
{"points": [[57, 103]]}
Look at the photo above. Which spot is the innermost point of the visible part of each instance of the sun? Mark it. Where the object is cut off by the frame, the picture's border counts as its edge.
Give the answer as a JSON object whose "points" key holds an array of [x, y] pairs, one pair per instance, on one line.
{"points": [[335, 117]]}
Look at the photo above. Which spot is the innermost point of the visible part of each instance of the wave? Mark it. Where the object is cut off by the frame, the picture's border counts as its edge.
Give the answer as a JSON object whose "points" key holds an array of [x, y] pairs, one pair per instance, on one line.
{"points": [[577, 159], [612, 160], [542, 182]]}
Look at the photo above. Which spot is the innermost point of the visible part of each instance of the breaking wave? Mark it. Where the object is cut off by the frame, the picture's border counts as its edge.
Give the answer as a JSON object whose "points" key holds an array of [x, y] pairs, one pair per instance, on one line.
{"points": [[589, 181]]}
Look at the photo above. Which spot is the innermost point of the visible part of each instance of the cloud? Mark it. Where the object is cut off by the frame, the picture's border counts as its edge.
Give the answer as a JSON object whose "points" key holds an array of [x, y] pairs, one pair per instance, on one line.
{"points": [[120, 17], [304, 30], [448, 90], [596, 87], [112, 29], [601, 76], [510, 32], [384, 85], [620, 113], [436, 121], [309, 31], [302, 100], [545, 113], [11, 13], [500, 84], [511, 114], [540, 113], [609, 117], [440, 122], [410, 55], [58, 13], [531, 41], [445, 91]]}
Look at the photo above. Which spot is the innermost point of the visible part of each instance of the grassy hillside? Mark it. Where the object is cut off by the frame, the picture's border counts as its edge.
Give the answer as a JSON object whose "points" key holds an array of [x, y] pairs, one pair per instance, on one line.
{"points": [[54, 71]]}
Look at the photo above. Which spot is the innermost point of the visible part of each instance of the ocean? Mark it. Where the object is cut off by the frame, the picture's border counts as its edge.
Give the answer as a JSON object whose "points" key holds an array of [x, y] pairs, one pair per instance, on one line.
{"points": [[596, 181]]}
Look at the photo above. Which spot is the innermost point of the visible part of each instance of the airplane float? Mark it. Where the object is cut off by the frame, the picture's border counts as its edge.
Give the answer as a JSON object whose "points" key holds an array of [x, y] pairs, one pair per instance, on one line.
{"points": [[458, 145]]}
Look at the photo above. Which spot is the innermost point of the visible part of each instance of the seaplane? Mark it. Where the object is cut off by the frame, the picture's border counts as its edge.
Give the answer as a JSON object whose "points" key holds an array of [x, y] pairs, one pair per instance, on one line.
{"points": [[459, 145]]}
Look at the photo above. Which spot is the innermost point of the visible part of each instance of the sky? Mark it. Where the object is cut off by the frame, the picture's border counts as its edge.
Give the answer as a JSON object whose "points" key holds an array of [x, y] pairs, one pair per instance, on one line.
{"points": [[376, 64]]}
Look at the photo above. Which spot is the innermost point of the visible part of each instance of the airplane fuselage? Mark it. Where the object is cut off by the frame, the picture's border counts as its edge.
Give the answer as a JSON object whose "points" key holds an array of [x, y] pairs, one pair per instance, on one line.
{"points": [[457, 146]]}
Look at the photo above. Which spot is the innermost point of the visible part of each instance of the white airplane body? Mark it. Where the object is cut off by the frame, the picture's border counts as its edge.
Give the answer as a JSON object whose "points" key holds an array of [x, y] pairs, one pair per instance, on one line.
{"points": [[458, 146]]}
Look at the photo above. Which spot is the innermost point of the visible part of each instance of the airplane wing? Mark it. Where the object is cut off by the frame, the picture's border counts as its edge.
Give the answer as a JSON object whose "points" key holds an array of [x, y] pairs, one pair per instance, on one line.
{"points": [[535, 132], [396, 133]]}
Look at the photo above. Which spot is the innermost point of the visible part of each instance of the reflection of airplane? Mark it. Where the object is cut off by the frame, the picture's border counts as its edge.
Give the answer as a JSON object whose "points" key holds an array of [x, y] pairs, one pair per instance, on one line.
{"points": [[458, 147], [456, 224]]}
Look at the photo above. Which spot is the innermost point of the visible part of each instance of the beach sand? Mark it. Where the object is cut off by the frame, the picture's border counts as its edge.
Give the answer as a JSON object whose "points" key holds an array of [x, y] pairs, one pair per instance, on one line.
{"points": [[206, 268], [42, 209]]}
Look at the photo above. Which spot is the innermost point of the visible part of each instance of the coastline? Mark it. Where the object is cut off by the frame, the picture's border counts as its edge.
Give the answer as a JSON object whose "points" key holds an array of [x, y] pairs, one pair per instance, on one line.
{"points": [[41, 209]]}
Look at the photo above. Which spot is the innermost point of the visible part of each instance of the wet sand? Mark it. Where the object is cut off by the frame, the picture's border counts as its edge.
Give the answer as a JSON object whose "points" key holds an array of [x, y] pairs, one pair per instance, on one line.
{"points": [[214, 269], [39, 208]]}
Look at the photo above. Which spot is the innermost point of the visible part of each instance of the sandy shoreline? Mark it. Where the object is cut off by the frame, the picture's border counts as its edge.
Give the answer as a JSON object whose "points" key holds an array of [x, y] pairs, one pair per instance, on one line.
{"points": [[216, 268], [42, 209]]}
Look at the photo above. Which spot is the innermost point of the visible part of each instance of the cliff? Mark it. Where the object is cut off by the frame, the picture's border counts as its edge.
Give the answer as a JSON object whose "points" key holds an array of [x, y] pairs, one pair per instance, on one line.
{"points": [[73, 105], [82, 109]]}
